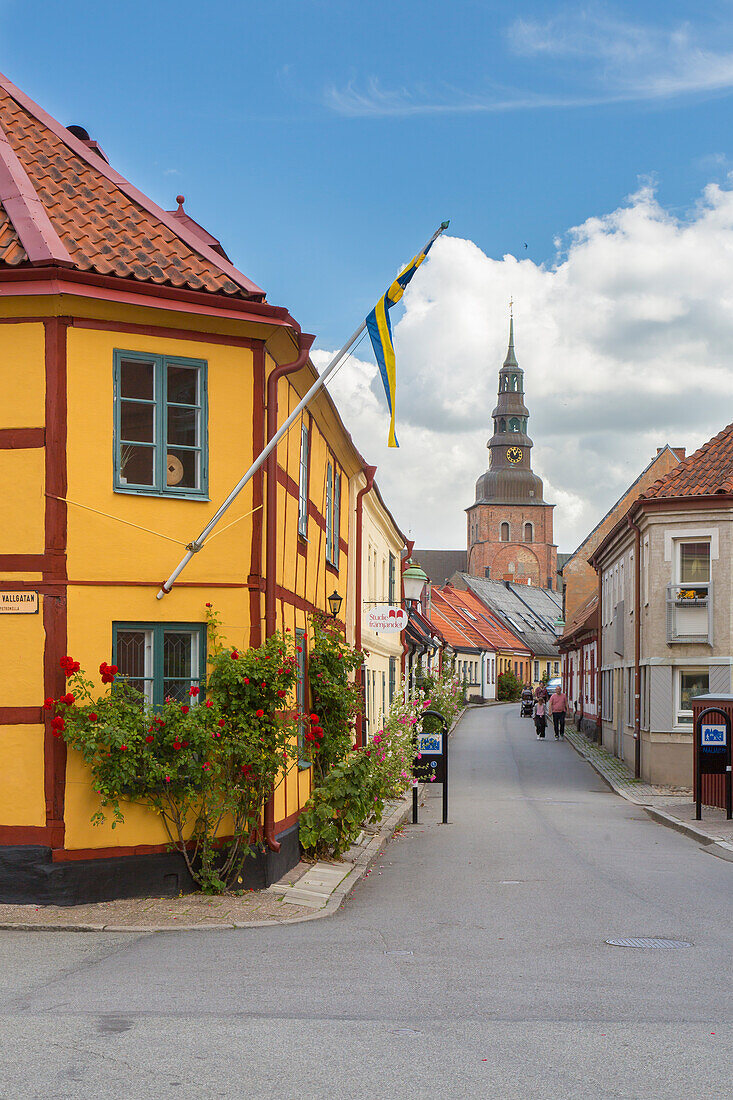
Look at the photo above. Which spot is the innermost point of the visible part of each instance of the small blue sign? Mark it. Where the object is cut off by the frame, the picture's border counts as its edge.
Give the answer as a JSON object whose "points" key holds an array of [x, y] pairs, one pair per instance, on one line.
{"points": [[430, 743], [713, 738]]}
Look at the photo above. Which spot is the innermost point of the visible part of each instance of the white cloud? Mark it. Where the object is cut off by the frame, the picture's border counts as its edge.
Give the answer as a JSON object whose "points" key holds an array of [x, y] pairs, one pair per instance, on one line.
{"points": [[625, 343], [601, 58]]}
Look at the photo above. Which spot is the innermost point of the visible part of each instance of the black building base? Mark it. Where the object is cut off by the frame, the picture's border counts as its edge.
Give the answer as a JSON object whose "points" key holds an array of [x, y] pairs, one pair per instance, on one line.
{"points": [[28, 876]]}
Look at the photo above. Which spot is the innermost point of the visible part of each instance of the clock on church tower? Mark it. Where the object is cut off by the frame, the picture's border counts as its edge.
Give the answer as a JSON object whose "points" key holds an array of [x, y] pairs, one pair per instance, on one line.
{"points": [[510, 523]]}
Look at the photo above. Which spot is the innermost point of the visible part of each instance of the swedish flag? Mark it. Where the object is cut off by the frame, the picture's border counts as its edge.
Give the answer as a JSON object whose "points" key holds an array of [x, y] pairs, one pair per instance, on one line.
{"points": [[380, 331]]}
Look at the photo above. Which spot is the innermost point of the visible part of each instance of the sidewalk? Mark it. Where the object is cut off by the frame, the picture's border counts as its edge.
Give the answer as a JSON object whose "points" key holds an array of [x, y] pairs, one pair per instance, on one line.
{"points": [[307, 892], [668, 806]]}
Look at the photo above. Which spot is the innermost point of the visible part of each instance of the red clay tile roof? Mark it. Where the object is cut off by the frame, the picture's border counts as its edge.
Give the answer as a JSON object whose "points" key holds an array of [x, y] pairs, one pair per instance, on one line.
{"points": [[707, 471], [471, 621], [585, 619], [62, 203]]}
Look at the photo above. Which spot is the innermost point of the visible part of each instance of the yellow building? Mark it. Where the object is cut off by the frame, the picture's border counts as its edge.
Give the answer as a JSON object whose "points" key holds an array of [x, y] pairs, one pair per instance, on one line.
{"points": [[377, 592], [141, 373]]}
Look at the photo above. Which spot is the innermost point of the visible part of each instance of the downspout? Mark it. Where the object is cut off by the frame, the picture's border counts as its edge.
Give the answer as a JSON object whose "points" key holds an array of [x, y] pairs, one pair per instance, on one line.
{"points": [[637, 646], [369, 473], [409, 544], [599, 656], [304, 344]]}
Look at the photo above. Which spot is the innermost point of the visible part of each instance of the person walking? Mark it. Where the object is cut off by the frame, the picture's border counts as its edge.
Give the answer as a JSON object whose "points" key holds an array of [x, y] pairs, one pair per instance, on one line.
{"points": [[558, 706], [541, 693], [540, 719]]}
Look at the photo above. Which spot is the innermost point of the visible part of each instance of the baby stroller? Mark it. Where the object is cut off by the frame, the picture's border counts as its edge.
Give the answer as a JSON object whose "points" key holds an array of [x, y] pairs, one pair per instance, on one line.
{"points": [[526, 704]]}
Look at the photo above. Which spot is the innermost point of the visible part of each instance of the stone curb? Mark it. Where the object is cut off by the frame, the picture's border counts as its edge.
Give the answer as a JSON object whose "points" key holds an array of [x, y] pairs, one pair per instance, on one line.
{"points": [[724, 849], [361, 865]]}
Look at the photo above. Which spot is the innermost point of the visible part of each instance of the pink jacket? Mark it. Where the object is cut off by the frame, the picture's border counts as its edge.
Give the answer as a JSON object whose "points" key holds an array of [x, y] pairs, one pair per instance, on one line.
{"points": [[558, 702]]}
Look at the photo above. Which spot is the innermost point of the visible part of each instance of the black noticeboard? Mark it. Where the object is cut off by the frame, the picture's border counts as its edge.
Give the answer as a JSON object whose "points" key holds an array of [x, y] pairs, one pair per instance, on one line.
{"points": [[712, 752], [431, 757]]}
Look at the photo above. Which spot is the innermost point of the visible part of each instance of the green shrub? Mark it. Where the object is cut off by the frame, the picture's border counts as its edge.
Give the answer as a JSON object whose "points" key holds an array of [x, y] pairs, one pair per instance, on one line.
{"points": [[508, 687]]}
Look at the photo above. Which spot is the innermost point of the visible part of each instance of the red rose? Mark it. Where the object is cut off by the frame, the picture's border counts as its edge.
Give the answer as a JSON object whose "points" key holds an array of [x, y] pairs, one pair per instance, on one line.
{"points": [[246, 680], [184, 710], [298, 649], [185, 744], [209, 703], [56, 733], [48, 704], [69, 699], [314, 718], [206, 767], [260, 713], [208, 605], [58, 723], [264, 684], [123, 748], [159, 721], [235, 655], [149, 738], [92, 717], [282, 694], [176, 745], [221, 722], [309, 736], [114, 669], [193, 691], [319, 733]]}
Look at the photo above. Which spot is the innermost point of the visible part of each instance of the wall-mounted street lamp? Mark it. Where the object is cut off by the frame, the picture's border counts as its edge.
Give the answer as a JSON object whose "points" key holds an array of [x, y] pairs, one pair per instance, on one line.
{"points": [[414, 580], [334, 602], [559, 625]]}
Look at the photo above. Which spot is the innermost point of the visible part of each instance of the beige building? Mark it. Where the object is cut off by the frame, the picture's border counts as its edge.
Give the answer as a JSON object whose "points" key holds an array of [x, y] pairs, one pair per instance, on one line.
{"points": [[665, 625], [377, 587]]}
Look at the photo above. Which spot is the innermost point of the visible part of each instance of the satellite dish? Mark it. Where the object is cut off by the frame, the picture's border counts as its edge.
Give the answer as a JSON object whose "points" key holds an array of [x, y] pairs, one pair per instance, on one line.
{"points": [[174, 470]]}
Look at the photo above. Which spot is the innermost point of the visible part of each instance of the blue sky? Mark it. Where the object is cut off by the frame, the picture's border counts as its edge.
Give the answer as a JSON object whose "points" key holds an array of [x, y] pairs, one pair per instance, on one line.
{"points": [[323, 142]]}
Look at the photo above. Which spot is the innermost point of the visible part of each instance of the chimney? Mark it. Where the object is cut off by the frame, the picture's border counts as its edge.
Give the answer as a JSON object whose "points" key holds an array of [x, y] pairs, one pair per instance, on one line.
{"points": [[83, 136], [680, 452]]}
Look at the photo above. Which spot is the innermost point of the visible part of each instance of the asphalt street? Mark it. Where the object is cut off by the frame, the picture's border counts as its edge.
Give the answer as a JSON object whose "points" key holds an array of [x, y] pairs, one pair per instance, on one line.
{"points": [[471, 963]]}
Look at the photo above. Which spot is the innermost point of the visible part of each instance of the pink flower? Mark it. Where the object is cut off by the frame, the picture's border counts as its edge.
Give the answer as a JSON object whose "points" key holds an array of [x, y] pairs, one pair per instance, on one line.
{"points": [[167, 779], [419, 756]]}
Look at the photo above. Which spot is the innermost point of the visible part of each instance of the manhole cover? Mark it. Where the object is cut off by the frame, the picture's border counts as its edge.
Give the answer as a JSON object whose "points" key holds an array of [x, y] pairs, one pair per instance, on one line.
{"points": [[652, 942]]}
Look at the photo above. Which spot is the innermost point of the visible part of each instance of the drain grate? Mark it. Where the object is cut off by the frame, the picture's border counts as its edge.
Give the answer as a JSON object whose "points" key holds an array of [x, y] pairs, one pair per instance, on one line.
{"points": [[398, 952], [651, 942]]}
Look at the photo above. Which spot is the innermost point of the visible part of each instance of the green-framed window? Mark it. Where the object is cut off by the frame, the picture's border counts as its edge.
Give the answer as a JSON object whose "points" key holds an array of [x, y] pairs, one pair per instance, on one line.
{"points": [[160, 414], [392, 678], [333, 514], [303, 483], [160, 660], [300, 694]]}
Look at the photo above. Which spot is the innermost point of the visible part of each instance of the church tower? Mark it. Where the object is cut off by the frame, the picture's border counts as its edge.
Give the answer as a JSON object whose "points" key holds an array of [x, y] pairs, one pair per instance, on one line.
{"points": [[509, 524]]}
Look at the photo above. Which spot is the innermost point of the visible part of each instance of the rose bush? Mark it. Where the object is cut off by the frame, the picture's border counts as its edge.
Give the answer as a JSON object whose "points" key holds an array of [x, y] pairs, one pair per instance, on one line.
{"points": [[205, 766]]}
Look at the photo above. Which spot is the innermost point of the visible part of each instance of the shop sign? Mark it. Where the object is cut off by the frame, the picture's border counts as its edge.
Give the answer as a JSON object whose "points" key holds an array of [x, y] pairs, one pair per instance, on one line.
{"points": [[18, 603], [386, 619]]}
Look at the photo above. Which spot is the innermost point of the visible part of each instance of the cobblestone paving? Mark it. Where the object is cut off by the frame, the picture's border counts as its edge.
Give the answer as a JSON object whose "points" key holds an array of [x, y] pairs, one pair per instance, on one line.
{"points": [[618, 775]]}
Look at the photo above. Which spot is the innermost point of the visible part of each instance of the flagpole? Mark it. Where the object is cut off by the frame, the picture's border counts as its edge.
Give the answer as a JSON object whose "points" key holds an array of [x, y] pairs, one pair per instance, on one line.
{"points": [[197, 544]]}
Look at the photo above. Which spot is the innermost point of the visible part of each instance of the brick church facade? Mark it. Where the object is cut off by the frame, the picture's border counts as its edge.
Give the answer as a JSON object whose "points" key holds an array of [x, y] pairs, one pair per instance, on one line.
{"points": [[509, 525]]}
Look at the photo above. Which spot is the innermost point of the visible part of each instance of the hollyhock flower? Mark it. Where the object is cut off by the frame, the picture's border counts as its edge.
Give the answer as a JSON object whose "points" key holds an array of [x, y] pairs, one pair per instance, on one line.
{"points": [[92, 717], [48, 704], [184, 710], [403, 774], [260, 714], [376, 739], [193, 692], [221, 722]]}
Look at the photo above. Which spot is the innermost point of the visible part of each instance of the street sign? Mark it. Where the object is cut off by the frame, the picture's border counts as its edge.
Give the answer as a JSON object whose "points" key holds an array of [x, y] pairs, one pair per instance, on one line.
{"points": [[712, 753], [18, 603], [431, 757], [386, 619]]}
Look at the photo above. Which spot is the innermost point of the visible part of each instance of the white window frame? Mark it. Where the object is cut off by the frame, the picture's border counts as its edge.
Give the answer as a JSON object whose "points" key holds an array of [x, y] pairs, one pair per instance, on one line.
{"points": [[678, 672], [678, 544]]}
